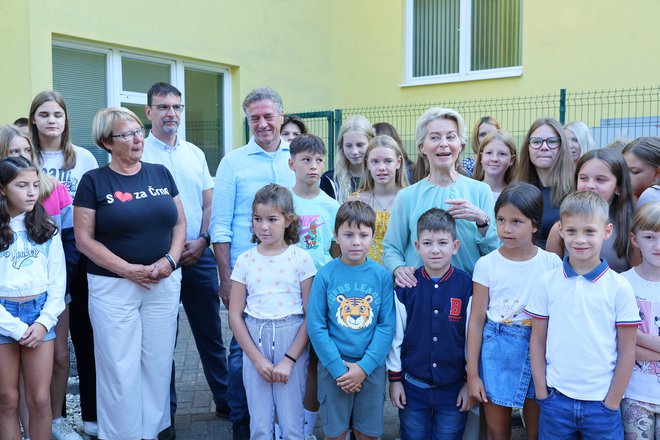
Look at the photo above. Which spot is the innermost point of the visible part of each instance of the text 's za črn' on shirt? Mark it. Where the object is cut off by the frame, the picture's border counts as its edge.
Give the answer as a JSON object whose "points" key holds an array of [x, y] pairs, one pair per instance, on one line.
{"points": [[511, 283], [28, 269], [135, 215], [645, 380], [273, 282], [52, 165]]}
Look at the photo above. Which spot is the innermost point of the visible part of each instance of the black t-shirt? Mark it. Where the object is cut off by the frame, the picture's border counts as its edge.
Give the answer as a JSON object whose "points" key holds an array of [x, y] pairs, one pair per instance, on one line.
{"points": [[135, 215]]}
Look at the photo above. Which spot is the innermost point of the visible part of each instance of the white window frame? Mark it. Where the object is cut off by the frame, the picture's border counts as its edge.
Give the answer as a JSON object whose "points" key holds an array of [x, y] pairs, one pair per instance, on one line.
{"points": [[116, 94], [465, 41]]}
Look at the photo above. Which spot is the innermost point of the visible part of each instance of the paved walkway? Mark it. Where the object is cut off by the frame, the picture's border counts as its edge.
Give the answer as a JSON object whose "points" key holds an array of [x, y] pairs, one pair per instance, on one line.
{"points": [[195, 417]]}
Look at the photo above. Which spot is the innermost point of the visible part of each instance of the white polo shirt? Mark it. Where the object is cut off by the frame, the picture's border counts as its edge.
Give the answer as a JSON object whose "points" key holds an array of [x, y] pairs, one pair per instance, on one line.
{"points": [[187, 163], [583, 312]]}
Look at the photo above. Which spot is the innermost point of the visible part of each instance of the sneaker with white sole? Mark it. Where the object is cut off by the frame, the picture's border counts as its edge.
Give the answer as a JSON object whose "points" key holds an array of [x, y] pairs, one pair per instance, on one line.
{"points": [[62, 431], [91, 428], [310, 437]]}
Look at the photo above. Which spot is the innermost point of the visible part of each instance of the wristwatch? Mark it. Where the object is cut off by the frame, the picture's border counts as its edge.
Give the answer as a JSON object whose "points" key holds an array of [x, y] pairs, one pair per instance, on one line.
{"points": [[485, 224], [206, 237]]}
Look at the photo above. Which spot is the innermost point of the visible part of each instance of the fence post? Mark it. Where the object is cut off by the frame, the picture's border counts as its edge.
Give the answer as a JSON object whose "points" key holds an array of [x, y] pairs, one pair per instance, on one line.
{"points": [[247, 130], [562, 106], [335, 135]]}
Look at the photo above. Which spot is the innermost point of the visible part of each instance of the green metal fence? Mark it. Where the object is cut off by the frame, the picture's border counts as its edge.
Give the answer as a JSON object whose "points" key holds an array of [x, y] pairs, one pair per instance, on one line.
{"points": [[611, 114]]}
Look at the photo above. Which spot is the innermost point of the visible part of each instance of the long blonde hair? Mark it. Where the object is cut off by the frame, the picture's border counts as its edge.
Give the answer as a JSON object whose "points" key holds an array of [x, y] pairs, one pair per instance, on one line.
{"points": [[65, 141], [561, 170], [342, 176], [504, 137], [400, 178], [46, 182]]}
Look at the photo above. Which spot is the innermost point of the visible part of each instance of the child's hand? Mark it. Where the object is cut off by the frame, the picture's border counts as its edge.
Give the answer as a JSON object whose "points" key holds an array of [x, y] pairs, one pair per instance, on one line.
{"points": [[404, 276], [264, 368], [282, 371], [612, 402], [464, 402], [476, 390], [397, 395], [33, 336], [351, 381], [542, 391]]}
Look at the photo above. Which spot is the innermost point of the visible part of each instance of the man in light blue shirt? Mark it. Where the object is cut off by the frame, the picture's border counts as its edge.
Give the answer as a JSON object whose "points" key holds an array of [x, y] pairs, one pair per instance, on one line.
{"points": [[241, 173], [199, 283]]}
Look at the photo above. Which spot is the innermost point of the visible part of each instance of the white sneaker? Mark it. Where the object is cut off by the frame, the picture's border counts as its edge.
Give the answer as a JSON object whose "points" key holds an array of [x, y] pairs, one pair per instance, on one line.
{"points": [[310, 437], [91, 429], [62, 431]]}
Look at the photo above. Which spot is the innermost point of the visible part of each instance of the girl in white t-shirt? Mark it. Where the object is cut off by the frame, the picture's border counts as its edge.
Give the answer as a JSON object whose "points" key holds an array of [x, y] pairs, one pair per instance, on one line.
{"points": [[640, 409], [49, 126], [269, 293], [33, 275], [498, 365]]}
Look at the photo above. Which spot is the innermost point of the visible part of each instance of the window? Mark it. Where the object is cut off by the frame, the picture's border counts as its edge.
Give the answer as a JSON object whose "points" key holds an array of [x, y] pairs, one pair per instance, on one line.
{"points": [[462, 40], [91, 78]]}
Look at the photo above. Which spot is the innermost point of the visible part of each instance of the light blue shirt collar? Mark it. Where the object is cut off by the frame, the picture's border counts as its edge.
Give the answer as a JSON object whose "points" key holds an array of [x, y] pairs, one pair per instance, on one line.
{"points": [[253, 147]]}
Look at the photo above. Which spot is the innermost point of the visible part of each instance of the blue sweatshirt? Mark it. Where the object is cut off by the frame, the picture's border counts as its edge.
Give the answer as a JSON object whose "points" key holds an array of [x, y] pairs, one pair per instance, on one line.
{"points": [[350, 316]]}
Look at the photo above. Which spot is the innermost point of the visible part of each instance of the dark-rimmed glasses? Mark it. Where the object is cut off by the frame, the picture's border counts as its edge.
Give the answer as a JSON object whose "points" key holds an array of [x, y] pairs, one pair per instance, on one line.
{"points": [[552, 142]]}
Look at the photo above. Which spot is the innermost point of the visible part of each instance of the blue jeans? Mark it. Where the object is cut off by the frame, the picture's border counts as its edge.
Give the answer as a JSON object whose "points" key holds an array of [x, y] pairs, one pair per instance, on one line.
{"points": [[424, 417], [566, 418], [199, 295], [236, 398]]}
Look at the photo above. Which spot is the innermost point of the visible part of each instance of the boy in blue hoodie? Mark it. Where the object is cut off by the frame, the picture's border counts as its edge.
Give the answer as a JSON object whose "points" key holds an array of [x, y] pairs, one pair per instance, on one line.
{"points": [[351, 324]]}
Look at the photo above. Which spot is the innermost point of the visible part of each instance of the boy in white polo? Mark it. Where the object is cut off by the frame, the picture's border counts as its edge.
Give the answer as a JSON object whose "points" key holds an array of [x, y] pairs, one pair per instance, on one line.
{"points": [[582, 346]]}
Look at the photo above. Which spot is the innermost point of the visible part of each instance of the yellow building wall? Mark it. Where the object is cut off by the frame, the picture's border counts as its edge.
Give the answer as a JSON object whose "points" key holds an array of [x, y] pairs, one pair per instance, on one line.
{"points": [[327, 54]]}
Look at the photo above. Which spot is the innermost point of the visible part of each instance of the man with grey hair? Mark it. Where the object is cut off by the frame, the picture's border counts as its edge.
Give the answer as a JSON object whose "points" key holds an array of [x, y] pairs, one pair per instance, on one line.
{"points": [[241, 173]]}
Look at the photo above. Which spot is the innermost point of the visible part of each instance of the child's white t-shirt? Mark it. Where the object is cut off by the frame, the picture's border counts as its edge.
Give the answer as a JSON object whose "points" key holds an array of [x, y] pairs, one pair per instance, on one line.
{"points": [[645, 380], [273, 282], [54, 160], [511, 283]]}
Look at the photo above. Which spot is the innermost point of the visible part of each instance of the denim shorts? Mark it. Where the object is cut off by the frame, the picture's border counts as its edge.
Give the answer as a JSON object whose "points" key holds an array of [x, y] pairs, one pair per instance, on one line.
{"points": [[505, 366], [28, 312]]}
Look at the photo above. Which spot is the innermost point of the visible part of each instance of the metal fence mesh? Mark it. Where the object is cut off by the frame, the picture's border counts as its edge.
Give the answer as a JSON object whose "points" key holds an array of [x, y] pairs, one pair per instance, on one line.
{"points": [[610, 114]]}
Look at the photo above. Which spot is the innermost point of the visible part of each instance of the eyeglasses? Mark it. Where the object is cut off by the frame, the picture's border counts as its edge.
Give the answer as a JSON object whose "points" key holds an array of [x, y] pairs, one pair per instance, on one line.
{"points": [[178, 108], [552, 142], [130, 135]]}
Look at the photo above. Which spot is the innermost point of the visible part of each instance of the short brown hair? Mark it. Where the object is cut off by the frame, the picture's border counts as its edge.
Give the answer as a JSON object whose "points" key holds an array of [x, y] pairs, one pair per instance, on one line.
{"points": [[356, 213]]}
